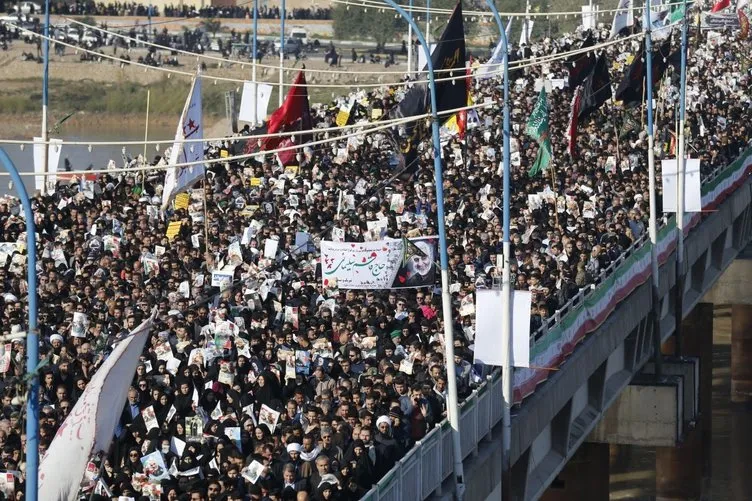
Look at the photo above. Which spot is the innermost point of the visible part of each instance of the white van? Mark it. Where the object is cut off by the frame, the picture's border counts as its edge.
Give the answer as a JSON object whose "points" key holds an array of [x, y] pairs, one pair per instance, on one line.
{"points": [[300, 34]]}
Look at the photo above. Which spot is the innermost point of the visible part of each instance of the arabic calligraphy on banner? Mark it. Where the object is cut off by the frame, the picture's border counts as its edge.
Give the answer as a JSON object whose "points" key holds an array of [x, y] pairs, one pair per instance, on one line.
{"points": [[384, 264]]}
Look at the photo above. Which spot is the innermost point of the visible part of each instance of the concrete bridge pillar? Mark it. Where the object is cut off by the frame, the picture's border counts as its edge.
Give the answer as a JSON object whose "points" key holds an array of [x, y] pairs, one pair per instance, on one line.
{"points": [[683, 472], [585, 477], [741, 353]]}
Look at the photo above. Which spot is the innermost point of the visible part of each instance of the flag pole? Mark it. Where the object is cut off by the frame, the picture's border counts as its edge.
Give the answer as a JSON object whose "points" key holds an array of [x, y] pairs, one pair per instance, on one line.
{"points": [[146, 136], [446, 298], [253, 61], [506, 284], [32, 336], [45, 91], [653, 223], [642, 112], [681, 165], [282, 16], [410, 41], [206, 215]]}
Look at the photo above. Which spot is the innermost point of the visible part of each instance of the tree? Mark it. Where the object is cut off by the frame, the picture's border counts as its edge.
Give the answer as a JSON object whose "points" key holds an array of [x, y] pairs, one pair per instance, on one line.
{"points": [[357, 23], [212, 25]]}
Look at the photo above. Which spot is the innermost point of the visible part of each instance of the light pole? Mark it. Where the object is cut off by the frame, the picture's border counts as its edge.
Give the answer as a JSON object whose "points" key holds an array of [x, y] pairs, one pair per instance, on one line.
{"points": [[428, 22], [681, 163], [32, 339], [281, 50], [653, 223], [45, 86], [410, 41], [506, 286], [446, 298], [253, 61]]}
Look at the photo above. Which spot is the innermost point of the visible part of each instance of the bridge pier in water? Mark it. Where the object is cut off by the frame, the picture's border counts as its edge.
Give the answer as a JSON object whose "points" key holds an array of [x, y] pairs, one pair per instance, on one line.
{"points": [[585, 477]]}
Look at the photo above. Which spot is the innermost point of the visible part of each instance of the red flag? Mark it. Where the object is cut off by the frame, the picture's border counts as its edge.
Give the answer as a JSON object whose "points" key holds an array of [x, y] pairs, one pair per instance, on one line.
{"points": [[720, 5], [744, 24], [462, 115], [573, 121], [294, 115]]}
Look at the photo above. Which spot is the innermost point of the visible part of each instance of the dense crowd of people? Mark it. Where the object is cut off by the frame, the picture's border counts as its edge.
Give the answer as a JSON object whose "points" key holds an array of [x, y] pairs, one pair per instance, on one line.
{"points": [[142, 9], [280, 388]]}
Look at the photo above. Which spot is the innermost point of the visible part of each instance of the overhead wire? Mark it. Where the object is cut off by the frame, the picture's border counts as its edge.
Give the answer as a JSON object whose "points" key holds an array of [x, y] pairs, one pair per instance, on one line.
{"points": [[245, 156]]}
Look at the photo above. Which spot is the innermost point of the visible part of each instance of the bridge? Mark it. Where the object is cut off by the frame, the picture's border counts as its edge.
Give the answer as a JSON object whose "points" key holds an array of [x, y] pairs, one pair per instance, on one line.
{"points": [[602, 343]]}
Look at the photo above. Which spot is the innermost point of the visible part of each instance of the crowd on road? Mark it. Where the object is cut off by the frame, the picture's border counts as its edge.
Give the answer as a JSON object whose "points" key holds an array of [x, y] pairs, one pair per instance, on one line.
{"points": [[280, 388], [142, 9]]}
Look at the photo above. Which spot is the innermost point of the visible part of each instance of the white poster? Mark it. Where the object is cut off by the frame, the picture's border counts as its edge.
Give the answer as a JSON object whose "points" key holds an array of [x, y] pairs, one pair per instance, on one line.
{"points": [[222, 279], [261, 98], [692, 193], [270, 248], [588, 17], [488, 346], [623, 17], [385, 264], [53, 158]]}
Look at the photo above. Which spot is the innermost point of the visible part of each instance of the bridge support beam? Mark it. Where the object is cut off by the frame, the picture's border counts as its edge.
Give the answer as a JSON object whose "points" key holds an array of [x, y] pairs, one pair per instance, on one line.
{"points": [[741, 353], [683, 472], [585, 477]]}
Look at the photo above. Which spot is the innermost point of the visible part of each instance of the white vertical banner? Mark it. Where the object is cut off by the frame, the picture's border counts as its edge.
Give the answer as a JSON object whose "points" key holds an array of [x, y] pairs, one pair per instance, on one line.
{"points": [[422, 62], [623, 17], [489, 348], [53, 159], [255, 93], [670, 184], [527, 30], [90, 426], [588, 17]]}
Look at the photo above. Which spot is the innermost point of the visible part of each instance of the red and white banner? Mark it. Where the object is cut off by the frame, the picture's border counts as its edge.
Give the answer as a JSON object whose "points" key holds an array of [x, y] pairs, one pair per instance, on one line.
{"points": [[90, 426]]}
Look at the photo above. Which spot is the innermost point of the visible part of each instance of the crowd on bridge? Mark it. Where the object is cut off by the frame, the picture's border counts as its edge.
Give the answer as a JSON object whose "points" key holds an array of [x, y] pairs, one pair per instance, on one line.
{"points": [[281, 388]]}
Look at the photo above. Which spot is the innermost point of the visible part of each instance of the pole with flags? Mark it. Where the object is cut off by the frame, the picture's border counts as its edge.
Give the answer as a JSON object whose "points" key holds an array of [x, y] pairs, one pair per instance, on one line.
{"points": [[653, 223], [506, 284], [681, 164], [282, 16], [253, 60]]}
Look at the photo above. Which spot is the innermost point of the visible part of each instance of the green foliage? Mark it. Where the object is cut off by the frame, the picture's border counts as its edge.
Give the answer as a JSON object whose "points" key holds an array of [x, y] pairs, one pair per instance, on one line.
{"points": [[87, 20], [358, 23], [212, 25]]}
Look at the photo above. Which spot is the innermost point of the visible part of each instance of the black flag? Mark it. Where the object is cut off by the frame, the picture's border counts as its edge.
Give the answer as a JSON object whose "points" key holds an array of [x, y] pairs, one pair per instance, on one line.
{"points": [[580, 64], [596, 89], [631, 88], [450, 95]]}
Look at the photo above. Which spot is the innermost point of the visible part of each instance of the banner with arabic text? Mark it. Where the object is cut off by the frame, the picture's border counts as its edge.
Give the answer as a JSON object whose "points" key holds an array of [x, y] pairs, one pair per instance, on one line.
{"points": [[383, 264]]}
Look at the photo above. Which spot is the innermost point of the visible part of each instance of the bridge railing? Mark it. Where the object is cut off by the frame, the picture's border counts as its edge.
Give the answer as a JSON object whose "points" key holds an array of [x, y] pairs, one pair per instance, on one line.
{"points": [[422, 471]]}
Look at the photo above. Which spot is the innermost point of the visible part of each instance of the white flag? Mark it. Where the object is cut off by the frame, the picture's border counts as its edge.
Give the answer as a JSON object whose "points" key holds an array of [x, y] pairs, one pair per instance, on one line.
{"points": [[623, 17], [493, 66], [53, 158], [263, 93], [527, 30], [90, 426], [190, 126]]}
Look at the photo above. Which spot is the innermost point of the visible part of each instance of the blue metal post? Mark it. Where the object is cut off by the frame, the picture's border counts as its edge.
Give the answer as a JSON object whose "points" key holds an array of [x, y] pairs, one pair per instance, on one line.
{"points": [[45, 84], [32, 339], [680, 167], [506, 286], [653, 223], [149, 36], [282, 16], [446, 299]]}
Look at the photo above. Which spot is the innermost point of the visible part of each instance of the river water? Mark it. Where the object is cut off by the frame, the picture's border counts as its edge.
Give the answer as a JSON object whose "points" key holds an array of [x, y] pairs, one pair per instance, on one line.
{"points": [[633, 477], [83, 156]]}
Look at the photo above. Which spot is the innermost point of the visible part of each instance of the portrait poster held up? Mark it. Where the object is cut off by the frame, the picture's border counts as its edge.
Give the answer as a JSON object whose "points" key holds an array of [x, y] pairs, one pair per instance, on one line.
{"points": [[383, 264]]}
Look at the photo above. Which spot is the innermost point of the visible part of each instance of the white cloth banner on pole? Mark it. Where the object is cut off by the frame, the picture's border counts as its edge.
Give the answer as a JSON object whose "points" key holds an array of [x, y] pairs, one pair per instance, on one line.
{"points": [[422, 62], [382, 264], [263, 94], [489, 348], [493, 66], [90, 426], [670, 183], [53, 159], [588, 17], [623, 17], [527, 30], [190, 126]]}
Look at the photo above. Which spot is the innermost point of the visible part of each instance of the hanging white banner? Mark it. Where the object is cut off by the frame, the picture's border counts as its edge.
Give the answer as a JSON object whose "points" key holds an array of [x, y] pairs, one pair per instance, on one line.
{"points": [[53, 159], [383, 264], [261, 97], [488, 348], [670, 183]]}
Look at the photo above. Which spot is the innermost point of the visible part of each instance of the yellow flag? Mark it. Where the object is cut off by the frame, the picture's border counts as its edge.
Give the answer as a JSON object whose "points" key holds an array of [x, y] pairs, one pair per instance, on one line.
{"points": [[173, 229]]}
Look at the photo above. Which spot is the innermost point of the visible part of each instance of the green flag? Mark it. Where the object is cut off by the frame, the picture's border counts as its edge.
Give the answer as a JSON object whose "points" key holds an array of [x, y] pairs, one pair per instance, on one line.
{"points": [[537, 128]]}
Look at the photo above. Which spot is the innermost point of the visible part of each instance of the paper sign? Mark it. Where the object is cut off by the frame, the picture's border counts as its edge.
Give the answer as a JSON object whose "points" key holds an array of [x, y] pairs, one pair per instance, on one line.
{"points": [[270, 248], [269, 417], [182, 200], [173, 229]]}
